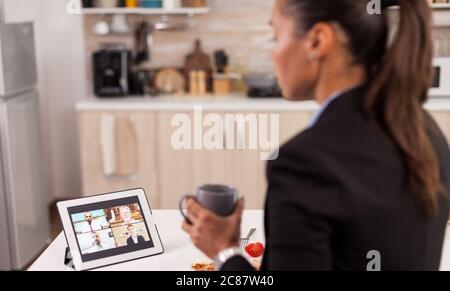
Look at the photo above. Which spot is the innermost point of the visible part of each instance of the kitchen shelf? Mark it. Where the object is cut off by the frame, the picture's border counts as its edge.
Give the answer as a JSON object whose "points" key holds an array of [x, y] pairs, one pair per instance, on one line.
{"points": [[441, 6], [441, 14], [436, 6], [145, 11]]}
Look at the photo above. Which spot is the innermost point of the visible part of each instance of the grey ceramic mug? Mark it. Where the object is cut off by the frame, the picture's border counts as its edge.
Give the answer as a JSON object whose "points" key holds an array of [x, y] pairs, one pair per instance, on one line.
{"points": [[220, 199]]}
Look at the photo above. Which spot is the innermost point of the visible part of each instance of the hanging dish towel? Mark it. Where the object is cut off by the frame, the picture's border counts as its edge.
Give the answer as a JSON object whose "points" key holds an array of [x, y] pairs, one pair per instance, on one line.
{"points": [[108, 144], [119, 146], [126, 147]]}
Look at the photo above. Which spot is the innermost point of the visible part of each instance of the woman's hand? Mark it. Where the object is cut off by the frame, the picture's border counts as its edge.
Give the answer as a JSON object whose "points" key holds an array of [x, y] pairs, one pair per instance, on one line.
{"points": [[211, 233]]}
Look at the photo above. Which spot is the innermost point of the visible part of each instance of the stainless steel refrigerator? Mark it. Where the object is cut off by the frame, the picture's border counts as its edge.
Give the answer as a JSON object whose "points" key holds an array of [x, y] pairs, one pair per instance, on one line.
{"points": [[24, 215]]}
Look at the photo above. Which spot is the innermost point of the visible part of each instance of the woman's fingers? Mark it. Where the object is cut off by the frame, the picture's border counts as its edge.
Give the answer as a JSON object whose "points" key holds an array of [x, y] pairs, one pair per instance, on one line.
{"points": [[187, 227], [241, 204], [192, 231], [240, 207], [193, 207]]}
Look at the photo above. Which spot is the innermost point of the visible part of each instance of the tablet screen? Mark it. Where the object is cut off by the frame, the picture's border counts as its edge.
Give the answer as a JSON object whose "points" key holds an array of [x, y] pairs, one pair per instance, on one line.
{"points": [[110, 228]]}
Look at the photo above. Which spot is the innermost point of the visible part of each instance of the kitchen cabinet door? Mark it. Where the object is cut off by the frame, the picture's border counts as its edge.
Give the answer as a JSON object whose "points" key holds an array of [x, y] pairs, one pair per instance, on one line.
{"points": [[443, 120], [292, 123], [118, 159], [181, 171]]}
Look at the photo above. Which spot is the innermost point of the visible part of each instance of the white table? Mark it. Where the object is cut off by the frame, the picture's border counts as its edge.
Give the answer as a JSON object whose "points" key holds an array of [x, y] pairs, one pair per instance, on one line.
{"points": [[179, 252]]}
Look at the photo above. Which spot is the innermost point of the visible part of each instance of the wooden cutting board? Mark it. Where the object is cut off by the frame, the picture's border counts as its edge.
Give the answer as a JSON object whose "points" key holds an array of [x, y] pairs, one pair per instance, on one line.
{"points": [[198, 61]]}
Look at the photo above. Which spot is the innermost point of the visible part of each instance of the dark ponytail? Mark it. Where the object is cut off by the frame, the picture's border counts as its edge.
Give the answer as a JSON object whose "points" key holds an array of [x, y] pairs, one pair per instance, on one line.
{"points": [[399, 77], [397, 94]]}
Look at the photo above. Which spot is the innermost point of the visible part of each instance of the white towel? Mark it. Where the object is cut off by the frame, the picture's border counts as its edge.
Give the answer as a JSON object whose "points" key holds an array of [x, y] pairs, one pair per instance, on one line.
{"points": [[126, 147], [108, 144]]}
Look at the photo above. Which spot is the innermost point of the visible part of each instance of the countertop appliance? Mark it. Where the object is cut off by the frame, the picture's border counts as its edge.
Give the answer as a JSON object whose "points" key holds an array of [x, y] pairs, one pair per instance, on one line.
{"points": [[262, 85], [112, 72], [274, 92], [24, 216]]}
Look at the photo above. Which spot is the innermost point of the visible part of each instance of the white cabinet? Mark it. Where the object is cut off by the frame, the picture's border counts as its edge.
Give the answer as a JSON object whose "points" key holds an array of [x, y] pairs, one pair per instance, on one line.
{"points": [[183, 170], [443, 120]]}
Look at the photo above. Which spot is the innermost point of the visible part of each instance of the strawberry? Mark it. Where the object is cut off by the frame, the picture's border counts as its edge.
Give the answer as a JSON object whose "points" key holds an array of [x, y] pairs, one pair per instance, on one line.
{"points": [[255, 249]]}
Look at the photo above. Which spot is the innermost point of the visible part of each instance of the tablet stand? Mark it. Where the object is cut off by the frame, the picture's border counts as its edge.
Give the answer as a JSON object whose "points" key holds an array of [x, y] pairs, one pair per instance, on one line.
{"points": [[68, 260]]}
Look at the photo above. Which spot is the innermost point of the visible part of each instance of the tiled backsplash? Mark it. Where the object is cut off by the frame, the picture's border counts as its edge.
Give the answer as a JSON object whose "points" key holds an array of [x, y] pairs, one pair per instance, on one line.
{"points": [[240, 27], [442, 42]]}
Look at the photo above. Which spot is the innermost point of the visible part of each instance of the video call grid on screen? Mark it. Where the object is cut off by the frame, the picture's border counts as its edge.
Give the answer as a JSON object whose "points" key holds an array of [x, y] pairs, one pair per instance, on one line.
{"points": [[108, 234]]}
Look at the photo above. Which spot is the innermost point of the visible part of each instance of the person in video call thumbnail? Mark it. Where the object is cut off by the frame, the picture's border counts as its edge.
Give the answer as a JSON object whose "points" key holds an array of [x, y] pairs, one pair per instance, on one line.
{"points": [[133, 238], [91, 225], [98, 245]]}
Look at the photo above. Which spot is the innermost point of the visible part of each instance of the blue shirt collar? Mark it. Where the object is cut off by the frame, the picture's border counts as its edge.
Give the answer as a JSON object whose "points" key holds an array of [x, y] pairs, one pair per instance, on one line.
{"points": [[326, 104]]}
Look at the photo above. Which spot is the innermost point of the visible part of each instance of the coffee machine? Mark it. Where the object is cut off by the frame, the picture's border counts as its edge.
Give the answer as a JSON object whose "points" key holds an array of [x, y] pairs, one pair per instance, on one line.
{"points": [[112, 72]]}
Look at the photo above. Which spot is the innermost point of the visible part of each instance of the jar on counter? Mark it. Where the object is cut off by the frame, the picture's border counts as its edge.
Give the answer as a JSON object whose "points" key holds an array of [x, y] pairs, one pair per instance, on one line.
{"points": [[151, 3], [171, 4], [107, 3], [131, 3]]}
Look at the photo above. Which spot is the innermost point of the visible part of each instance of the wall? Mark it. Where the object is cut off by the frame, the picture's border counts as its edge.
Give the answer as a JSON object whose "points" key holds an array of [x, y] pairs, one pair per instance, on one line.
{"points": [[60, 54], [64, 85]]}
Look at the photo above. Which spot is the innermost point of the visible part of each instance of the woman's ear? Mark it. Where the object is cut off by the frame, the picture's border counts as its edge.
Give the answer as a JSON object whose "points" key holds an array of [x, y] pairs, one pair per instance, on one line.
{"points": [[319, 41]]}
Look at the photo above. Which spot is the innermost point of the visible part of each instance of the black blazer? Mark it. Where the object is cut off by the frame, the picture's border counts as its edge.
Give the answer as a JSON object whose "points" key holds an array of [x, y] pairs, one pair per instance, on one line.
{"points": [[130, 241], [339, 190]]}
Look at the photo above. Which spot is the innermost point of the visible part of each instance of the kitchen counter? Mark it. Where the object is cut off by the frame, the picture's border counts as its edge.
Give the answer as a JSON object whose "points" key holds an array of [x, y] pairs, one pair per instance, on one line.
{"points": [[188, 103], [216, 103], [179, 253]]}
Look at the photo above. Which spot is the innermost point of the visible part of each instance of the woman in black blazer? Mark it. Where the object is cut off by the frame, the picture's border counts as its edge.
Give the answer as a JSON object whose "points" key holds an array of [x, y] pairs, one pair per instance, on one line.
{"points": [[371, 175]]}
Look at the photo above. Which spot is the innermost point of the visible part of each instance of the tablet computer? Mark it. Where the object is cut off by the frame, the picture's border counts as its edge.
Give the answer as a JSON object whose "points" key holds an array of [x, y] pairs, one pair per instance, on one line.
{"points": [[109, 229]]}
